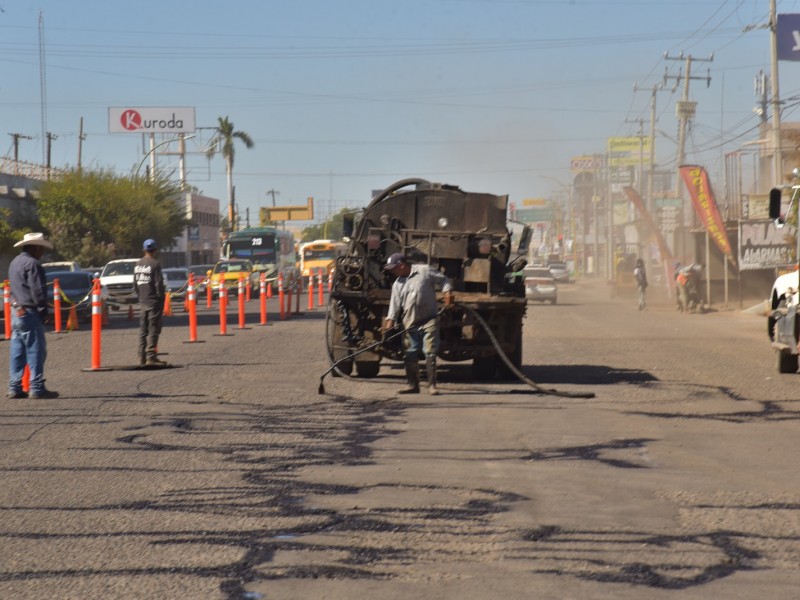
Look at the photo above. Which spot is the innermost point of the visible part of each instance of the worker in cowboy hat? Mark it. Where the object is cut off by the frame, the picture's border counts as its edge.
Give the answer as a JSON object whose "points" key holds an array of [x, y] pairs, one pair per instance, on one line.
{"points": [[28, 314]]}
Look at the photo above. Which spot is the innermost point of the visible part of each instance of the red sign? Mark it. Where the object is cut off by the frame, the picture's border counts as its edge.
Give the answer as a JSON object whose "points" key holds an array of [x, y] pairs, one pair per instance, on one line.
{"points": [[696, 180], [131, 120]]}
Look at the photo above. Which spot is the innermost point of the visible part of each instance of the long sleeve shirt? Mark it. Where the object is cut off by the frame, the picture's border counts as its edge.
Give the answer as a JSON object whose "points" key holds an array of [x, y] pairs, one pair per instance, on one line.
{"points": [[28, 283], [414, 297], [149, 281]]}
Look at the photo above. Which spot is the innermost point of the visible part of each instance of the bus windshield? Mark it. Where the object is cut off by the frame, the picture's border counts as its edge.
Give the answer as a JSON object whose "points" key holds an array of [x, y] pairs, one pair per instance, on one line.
{"points": [[258, 249]]}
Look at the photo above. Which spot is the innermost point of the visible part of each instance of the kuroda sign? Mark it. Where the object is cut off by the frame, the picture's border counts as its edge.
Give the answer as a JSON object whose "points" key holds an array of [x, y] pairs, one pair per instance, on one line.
{"points": [[151, 119]]}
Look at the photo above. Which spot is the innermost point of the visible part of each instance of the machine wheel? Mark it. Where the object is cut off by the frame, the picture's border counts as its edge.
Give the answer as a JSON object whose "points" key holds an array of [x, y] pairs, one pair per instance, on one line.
{"points": [[368, 368], [787, 363], [334, 332]]}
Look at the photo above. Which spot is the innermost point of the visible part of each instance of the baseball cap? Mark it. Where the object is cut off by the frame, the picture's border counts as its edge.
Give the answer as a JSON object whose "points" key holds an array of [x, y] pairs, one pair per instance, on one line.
{"points": [[149, 244], [394, 260]]}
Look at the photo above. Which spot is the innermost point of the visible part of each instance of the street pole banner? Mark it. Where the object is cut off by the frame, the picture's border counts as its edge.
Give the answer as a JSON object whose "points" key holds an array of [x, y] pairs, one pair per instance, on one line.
{"points": [[696, 180], [666, 255], [787, 36]]}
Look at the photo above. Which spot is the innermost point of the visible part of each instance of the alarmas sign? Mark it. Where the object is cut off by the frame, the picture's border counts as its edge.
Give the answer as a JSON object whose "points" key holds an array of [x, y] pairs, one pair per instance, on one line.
{"points": [[151, 120]]}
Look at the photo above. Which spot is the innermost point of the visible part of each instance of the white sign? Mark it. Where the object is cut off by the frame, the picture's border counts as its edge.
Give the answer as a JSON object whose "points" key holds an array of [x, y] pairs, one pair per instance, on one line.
{"points": [[762, 246], [175, 119]]}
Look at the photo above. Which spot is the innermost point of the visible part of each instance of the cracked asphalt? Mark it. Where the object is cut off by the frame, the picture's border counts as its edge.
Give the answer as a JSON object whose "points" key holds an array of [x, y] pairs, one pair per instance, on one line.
{"points": [[231, 477]]}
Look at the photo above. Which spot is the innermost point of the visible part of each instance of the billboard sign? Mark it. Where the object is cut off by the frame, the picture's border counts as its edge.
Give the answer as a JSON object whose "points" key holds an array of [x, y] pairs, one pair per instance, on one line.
{"points": [[762, 246], [584, 163], [627, 151], [174, 119]]}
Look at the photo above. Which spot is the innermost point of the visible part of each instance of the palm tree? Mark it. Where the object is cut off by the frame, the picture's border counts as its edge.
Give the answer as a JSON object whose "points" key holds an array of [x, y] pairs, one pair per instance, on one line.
{"points": [[225, 136]]}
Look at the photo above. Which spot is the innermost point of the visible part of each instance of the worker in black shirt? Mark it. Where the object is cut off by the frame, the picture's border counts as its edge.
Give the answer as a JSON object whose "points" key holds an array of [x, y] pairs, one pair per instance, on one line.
{"points": [[149, 282]]}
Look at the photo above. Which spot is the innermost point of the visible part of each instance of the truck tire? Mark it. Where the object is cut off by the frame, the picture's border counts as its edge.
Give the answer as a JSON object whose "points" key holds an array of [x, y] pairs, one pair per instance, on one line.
{"points": [[787, 363], [368, 368], [333, 332]]}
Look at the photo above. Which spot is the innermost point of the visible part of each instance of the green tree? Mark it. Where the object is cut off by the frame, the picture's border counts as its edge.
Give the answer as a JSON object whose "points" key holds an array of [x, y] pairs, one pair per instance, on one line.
{"points": [[225, 137], [327, 230], [12, 229], [95, 216]]}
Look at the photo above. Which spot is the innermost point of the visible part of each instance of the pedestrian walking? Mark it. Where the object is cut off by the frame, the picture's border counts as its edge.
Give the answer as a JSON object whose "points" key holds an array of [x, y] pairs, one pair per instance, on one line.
{"points": [[640, 274], [413, 303], [29, 311], [149, 282]]}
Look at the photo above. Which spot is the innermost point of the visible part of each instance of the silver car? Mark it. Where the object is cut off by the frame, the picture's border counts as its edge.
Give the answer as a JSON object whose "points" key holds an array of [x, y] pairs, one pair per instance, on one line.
{"points": [[559, 271], [540, 285]]}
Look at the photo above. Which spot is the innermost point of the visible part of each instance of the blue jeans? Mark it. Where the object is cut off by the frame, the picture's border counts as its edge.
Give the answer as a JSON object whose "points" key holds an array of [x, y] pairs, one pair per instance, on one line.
{"points": [[425, 337], [28, 345]]}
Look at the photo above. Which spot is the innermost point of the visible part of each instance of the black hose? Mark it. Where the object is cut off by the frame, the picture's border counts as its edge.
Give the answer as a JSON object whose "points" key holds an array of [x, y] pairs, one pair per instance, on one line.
{"points": [[335, 365], [520, 375]]}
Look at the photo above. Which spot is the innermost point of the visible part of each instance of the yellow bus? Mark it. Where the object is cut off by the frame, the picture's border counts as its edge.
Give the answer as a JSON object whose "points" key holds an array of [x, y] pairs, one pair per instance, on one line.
{"points": [[320, 254]]}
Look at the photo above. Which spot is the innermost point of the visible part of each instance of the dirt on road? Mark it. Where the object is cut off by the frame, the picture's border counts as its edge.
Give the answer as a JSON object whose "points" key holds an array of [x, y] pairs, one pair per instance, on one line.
{"points": [[230, 477]]}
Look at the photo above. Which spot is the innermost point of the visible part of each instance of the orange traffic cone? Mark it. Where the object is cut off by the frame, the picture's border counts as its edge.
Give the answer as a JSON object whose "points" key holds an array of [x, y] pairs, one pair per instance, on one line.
{"points": [[26, 378], [168, 305], [72, 320], [130, 312]]}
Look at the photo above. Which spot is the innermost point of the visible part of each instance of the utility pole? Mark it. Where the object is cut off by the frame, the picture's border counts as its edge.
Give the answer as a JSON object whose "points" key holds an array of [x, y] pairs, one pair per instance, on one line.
{"points": [[651, 176], [776, 103], [81, 137], [17, 137], [50, 138], [685, 110]]}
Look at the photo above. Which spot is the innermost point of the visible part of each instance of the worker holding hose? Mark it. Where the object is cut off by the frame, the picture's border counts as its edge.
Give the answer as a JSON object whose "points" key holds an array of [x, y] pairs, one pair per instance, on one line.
{"points": [[413, 302]]}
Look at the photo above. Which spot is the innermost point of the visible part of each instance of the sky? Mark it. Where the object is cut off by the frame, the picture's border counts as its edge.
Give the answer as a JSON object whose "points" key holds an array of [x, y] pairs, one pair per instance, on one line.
{"points": [[345, 97]]}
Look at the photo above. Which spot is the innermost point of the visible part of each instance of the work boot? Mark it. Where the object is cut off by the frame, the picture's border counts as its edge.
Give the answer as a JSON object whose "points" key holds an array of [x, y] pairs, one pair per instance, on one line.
{"points": [[43, 394], [430, 365], [412, 376], [154, 361]]}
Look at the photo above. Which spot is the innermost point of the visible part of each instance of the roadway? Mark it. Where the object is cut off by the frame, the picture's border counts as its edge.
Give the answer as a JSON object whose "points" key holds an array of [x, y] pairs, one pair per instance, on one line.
{"points": [[231, 477]]}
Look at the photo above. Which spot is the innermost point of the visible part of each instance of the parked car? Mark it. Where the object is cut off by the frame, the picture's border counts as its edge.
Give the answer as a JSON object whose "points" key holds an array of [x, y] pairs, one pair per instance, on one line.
{"points": [[76, 289], [228, 272], [201, 277], [117, 276], [175, 279], [559, 271], [61, 266], [540, 285]]}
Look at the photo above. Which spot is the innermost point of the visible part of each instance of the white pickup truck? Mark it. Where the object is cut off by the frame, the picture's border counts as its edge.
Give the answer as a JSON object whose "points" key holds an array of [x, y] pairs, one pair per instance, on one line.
{"points": [[782, 321]]}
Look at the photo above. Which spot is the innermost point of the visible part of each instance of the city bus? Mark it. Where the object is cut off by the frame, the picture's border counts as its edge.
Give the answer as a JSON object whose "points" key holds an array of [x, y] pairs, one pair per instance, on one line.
{"points": [[271, 251], [320, 254]]}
